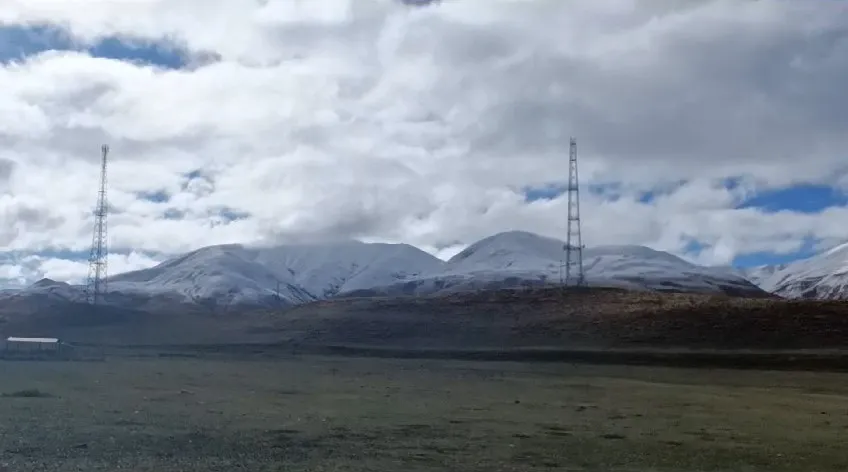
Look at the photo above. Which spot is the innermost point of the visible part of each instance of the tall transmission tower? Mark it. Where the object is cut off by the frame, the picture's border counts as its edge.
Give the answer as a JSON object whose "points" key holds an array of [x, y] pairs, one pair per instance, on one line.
{"points": [[574, 241], [97, 264]]}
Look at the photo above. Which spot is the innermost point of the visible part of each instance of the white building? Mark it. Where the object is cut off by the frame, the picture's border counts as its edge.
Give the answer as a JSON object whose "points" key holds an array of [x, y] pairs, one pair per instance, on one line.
{"points": [[32, 344]]}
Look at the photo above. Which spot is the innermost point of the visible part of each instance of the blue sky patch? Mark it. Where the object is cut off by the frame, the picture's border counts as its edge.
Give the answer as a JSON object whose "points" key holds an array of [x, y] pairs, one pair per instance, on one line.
{"points": [[547, 192], [159, 54], [694, 247], [158, 196], [217, 216], [649, 196], [173, 214], [807, 198], [732, 183], [808, 249], [19, 42], [610, 191], [196, 174], [767, 258], [228, 214]]}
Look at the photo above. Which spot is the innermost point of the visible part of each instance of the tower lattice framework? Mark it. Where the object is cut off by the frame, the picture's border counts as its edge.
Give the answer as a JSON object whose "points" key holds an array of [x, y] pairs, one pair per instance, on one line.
{"points": [[574, 242], [97, 259]]}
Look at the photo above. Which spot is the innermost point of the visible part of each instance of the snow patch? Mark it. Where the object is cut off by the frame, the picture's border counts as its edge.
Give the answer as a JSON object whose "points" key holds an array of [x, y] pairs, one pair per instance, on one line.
{"points": [[823, 276]]}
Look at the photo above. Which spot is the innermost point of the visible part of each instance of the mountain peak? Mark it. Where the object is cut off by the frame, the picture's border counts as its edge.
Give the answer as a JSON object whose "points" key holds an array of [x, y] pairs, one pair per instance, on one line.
{"points": [[515, 236], [509, 243], [45, 282], [293, 273], [822, 276]]}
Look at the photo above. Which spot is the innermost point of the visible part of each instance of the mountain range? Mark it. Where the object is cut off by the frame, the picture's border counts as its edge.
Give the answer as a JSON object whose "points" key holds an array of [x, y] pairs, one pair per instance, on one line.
{"points": [[823, 276], [231, 275]]}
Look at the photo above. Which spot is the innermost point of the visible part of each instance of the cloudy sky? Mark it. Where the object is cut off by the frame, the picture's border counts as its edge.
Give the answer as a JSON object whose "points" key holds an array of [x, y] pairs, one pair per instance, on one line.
{"points": [[713, 129]]}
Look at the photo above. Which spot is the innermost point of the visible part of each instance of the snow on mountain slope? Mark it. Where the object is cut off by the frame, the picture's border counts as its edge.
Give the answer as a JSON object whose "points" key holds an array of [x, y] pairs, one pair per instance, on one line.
{"points": [[823, 276], [60, 290], [237, 274], [510, 251], [760, 275], [518, 258], [56, 290], [233, 274], [327, 270], [226, 273]]}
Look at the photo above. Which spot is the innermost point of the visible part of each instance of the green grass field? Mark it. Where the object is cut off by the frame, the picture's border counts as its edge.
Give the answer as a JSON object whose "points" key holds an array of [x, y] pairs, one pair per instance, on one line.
{"points": [[357, 414]]}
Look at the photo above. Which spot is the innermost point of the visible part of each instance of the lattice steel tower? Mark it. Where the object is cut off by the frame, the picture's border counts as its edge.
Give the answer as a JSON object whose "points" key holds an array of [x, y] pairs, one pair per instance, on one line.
{"points": [[97, 265], [574, 241]]}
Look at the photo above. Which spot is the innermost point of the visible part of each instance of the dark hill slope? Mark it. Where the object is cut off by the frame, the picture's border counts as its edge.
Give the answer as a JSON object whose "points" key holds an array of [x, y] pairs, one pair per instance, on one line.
{"points": [[596, 318], [503, 319]]}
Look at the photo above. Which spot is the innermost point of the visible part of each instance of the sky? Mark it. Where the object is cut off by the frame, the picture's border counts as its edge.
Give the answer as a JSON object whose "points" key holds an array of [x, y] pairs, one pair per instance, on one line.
{"points": [[714, 130]]}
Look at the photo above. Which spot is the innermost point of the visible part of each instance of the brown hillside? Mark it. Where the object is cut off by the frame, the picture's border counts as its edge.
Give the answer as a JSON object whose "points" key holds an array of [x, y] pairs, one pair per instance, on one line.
{"points": [[583, 318], [596, 318]]}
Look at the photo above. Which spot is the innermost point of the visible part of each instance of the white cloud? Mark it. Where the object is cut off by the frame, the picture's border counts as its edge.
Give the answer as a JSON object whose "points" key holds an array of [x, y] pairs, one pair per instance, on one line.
{"points": [[368, 119], [30, 268]]}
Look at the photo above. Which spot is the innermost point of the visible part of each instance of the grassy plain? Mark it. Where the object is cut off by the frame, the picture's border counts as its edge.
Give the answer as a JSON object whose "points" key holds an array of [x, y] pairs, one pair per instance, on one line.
{"points": [[368, 414]]}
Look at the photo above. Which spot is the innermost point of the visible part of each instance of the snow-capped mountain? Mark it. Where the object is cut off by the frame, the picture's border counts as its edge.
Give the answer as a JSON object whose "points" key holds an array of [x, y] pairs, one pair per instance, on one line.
{"points": [[233, 274], [295, 273], [50, 289], [823, 276], [519, 258], [228, 275], [760, 275]]}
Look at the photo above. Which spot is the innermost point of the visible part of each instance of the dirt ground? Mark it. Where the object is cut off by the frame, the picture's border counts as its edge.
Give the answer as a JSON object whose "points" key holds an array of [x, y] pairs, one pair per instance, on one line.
{"points": [[366, 414]]}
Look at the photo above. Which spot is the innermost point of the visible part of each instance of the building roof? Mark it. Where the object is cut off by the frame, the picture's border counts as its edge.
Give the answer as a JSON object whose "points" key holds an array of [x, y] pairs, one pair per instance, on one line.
{"points": [[32, 340]]}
